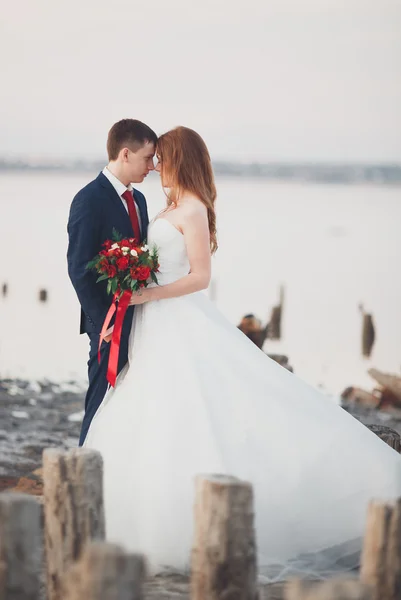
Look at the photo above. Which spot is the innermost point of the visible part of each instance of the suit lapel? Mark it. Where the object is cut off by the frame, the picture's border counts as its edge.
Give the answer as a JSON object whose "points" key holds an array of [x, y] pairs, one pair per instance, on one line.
{"points": [[115, 198]]}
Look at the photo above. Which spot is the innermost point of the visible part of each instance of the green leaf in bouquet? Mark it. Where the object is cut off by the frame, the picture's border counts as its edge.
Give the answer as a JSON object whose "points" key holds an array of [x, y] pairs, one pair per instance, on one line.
{"points": [[116, 236], [154, 278], [109, 286], [114, 285], [92, 263], [133, 284], [102, 277]]}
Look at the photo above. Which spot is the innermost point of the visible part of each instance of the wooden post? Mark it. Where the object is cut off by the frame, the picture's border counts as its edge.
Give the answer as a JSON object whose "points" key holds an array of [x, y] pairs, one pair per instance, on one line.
{"points": [[105, 572], [381, 556], [336, 589], [74, 513], [389, 382], [21, 547], [224, 550], [394, 554], [43, 295]]}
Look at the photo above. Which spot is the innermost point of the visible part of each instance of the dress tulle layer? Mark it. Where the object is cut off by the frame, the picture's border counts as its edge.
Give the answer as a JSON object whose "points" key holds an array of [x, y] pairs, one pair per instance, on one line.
{"points": [[199, 397]]}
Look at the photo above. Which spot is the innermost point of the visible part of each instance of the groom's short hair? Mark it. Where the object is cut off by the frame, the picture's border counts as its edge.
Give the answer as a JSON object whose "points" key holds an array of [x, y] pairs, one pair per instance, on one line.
{"points": [[128, 133]]}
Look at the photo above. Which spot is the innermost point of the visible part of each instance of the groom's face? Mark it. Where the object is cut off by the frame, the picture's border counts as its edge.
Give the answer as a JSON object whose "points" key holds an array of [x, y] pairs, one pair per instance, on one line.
{"points": [[140, 163]]}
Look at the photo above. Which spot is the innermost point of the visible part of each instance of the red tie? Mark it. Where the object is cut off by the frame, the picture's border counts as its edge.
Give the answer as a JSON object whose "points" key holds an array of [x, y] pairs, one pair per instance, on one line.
{"points": [[127, 195]]}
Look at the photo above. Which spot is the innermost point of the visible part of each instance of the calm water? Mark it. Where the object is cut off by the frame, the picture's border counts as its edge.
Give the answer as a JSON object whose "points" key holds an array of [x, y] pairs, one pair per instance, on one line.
{"points": [[331, 246]]}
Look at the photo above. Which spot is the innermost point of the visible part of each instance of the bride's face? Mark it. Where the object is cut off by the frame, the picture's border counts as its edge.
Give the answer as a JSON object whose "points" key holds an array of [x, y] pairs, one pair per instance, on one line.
{"points": [[165, 179]]}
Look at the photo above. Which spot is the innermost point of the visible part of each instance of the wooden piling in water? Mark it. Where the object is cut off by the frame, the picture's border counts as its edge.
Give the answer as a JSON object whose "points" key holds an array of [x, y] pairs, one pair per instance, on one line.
{"points": [[105, 572], [381, 556], [74, 513], [21, 547], [43, 295], [224, 549]]}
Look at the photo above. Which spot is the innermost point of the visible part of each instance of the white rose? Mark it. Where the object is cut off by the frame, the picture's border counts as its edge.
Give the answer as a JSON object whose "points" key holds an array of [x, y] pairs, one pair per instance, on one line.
{"points": [[125, 249], [134, 253], [145, 248], [114, 246]]}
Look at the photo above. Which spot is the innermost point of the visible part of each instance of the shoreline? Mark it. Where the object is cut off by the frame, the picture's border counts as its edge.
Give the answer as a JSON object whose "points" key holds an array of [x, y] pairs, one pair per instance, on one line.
{"points": [[35, 416], [39, 415]]}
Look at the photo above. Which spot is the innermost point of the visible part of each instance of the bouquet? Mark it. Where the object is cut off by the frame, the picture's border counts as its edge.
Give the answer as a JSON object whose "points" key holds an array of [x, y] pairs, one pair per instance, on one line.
{"points": [[127, 267]]}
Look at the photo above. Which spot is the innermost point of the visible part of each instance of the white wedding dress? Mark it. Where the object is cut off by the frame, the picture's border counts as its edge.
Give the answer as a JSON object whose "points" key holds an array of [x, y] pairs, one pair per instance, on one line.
{"points": [[199, 398]]}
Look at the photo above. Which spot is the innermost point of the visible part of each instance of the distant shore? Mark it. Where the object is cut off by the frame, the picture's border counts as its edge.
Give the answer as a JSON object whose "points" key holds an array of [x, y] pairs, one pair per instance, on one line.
{"points": [[311, 172]]}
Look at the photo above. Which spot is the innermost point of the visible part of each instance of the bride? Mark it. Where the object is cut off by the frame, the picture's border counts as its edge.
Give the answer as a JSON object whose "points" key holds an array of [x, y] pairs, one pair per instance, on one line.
{"points": [[198, 397]]}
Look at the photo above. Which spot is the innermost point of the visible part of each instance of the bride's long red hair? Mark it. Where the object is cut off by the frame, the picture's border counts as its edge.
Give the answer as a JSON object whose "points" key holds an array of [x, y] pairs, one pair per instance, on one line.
{"points": [[186, 165]]}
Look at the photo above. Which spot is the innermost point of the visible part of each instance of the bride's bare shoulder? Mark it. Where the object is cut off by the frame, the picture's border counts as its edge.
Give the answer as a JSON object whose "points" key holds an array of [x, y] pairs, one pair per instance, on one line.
{"points": [[193, 208]]}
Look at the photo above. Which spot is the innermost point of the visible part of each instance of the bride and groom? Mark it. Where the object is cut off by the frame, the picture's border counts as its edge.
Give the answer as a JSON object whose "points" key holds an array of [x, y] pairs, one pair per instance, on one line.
{"points": [[194, 395]]}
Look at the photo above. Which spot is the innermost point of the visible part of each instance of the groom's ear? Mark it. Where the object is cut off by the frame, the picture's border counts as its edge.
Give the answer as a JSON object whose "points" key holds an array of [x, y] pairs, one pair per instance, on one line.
{"points": [[124, 154]]}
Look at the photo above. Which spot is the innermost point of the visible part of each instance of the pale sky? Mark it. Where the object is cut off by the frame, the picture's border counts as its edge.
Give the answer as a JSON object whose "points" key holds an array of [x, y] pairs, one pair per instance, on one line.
{"points": [[259, 79]]}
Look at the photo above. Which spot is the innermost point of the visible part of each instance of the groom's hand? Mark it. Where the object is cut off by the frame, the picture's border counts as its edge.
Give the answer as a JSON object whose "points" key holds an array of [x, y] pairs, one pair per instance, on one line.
{"points": [[109, 334]]}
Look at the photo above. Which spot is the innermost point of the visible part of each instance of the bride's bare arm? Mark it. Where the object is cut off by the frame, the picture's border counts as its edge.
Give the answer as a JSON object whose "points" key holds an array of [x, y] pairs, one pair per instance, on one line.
{"points": [[195, 229]]}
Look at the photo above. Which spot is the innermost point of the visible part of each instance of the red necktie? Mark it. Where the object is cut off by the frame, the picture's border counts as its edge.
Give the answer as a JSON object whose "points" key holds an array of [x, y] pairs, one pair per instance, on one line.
{"points": [[127, 195]]}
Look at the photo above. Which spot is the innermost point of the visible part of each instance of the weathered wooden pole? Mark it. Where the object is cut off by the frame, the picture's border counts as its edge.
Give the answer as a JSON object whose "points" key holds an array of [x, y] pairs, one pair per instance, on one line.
{"points": [[105, 572], [381, 556], [43, 295], [224, 549], [21, 547], [74, 512], [394, 553], [336, 589]]}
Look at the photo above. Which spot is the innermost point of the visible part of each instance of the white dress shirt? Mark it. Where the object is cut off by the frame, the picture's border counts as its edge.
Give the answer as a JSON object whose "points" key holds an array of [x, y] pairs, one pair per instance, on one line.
{"points": [[120, 189]]}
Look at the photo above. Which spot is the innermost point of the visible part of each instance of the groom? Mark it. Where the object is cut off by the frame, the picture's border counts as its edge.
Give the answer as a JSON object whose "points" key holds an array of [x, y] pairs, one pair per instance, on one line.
{"points": [[107, 202]]}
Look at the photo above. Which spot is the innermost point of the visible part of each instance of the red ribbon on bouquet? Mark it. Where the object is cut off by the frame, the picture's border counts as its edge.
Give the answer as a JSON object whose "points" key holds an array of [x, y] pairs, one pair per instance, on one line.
{"points": [[121, 307]]}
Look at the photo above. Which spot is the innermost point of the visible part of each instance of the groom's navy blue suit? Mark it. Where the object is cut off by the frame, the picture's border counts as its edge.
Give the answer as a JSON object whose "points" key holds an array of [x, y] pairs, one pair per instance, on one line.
{"points": [[95, 211]]}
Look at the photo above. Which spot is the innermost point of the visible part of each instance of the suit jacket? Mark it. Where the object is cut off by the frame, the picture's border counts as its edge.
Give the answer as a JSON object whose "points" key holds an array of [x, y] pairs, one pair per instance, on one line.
{"points": [[94, 212]]}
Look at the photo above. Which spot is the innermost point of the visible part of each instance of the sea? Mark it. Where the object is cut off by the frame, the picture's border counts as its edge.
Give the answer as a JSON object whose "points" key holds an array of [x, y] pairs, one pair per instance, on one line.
{"points": [[332, 247]]}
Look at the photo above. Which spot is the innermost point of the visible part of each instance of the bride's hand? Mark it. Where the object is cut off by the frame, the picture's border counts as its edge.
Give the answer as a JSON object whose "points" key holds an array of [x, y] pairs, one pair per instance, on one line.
{"points": [[139, 297]]}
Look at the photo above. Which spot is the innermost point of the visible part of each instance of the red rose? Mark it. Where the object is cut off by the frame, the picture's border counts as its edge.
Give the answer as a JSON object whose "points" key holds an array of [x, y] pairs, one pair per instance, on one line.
{"points": [[124, 243], [142, 273], [103, 253], [133, 272], [111, 271], [122, 263], [107, 244], [104, 265]]}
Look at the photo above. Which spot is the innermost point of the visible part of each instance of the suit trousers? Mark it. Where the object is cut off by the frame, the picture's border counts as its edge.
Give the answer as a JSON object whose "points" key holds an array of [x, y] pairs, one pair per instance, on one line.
{"points": [[97, 375]]}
